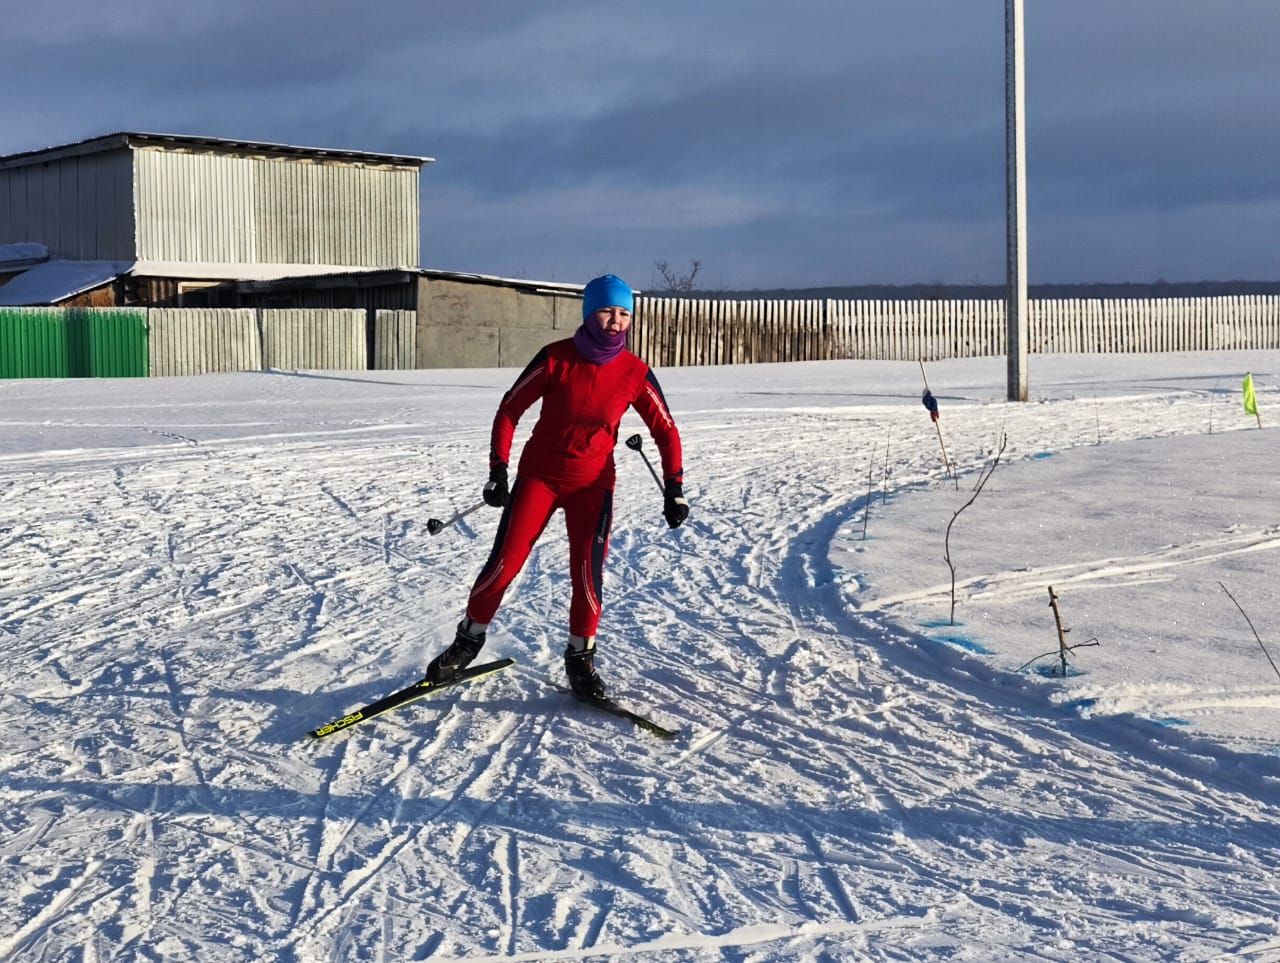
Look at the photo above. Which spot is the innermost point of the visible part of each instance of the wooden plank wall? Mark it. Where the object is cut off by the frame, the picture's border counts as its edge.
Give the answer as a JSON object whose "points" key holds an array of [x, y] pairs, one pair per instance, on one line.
{"points": [[315, 338], [395, 340], [679, 331], [192, 341]]}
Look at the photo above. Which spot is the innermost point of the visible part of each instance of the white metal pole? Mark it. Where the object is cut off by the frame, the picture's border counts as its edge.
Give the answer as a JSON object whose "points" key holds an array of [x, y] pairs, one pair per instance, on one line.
{"points": [[1015, 200]]}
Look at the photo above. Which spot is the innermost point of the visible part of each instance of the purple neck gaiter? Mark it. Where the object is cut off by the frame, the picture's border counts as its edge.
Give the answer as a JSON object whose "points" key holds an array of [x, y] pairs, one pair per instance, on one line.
{"points": [[595, 344]]}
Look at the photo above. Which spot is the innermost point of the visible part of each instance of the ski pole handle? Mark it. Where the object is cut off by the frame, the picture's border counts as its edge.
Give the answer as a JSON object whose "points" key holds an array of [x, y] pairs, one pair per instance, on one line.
{"points": [[434, 525], [634, 443]]}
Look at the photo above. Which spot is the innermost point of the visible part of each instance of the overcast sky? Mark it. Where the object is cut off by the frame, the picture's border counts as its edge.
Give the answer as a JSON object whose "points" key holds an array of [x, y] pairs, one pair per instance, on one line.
{"points": [[783, 144]]}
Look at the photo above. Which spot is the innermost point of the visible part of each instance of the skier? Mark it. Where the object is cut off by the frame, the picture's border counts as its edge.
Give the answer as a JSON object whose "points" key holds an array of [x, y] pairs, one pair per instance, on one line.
{"points": [[586, 384]]}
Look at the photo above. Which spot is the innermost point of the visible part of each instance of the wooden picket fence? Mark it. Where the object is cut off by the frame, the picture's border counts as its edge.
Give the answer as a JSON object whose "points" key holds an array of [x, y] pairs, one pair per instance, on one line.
{"points": [[681, 331]]}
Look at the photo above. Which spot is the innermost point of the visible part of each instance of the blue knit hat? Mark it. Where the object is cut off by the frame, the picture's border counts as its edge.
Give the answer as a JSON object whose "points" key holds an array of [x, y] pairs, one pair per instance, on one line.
{"points": [[605, 292]]}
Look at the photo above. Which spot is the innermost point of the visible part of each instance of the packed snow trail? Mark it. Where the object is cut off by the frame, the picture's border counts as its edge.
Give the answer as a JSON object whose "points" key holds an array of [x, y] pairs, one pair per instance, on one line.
{"points": [[190, 587]]}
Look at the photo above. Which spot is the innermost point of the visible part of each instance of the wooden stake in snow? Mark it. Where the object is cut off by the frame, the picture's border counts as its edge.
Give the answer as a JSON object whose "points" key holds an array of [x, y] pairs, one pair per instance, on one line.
{"points": [[866, 508], [1063, 648], [1062, 633], [884, 487]]}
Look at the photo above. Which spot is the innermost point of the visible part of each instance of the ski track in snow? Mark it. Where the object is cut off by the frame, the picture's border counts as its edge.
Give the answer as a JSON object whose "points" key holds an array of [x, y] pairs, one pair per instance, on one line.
{"points": [[176, 617]]}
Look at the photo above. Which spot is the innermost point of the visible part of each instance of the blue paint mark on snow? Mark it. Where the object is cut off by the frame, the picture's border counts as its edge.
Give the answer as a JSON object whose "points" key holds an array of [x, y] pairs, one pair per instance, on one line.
{"points": [[961, 642], [1042, 454], [953, 637], [1171, 722]]}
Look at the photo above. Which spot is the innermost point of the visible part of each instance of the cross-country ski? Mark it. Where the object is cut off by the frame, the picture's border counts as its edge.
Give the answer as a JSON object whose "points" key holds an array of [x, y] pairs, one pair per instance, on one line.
{"points": [[420, 689], [614, 708]]}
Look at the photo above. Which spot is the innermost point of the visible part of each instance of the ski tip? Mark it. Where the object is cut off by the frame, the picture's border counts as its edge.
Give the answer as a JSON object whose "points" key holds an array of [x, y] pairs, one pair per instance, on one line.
{"points": [[662, 732], [666, 735]]}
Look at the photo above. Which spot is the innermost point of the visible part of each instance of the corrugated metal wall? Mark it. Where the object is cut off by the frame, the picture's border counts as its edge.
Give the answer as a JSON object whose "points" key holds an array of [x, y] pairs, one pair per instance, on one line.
{"points": [[192, 341], [194, 207], [163, 342], [308, 213], [33, 343], [73, 343], [332, 339], [79, 207], [215, 208]]}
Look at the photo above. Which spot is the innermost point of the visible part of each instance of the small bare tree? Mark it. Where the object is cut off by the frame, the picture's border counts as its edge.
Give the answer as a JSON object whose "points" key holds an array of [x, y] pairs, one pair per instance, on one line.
{"points": [[677, 281], [1255, 631], [984, 476], [1063, 649]]}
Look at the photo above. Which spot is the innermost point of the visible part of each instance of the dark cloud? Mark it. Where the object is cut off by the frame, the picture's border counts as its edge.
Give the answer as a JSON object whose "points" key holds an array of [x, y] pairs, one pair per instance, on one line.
{"points": [[808, 143]]}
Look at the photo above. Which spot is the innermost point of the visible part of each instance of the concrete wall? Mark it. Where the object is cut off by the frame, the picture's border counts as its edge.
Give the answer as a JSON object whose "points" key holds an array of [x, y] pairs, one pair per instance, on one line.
{"points": [[463, 324]]}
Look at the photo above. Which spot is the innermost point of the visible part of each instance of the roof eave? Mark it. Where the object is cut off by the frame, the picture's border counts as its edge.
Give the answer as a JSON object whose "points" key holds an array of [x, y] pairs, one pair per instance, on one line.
{"points": [[129, 140]]}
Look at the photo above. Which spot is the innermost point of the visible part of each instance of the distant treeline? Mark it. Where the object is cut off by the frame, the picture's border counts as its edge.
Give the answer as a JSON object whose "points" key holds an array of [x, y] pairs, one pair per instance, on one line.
{"points": [[918, 292]]}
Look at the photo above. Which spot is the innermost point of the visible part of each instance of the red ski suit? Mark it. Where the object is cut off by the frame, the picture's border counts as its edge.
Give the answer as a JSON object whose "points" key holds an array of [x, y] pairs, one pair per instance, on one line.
{"points": [[568, 463]]}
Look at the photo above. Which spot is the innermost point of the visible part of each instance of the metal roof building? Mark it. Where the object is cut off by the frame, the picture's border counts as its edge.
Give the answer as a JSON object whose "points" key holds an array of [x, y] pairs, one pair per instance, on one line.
{"points": [[169, 221], [197, 210]]}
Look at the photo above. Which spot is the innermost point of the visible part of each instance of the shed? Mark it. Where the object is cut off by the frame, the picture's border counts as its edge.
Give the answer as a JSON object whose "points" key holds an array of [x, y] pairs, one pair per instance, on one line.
{"points": [[187, 212], [175, 221]]}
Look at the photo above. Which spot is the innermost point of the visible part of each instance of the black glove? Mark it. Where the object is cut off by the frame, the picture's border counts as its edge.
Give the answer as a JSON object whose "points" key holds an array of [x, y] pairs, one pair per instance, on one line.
{"points": [[675, 508], [496, 492]]}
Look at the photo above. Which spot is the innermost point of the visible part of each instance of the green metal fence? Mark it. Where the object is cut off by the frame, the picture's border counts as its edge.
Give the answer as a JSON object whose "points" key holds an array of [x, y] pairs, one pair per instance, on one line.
{"points": [[73, 343]]}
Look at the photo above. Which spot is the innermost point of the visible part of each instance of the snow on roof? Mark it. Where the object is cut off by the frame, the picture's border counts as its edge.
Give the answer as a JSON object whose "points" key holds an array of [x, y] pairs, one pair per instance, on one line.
{"points": [[22, 254], [57, 280], [217, 271], [557, 286]]}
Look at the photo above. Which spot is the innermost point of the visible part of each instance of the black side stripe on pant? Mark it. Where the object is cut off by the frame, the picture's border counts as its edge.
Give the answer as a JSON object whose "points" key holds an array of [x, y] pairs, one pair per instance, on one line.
{"points": [[500, 538], [598, 544]]}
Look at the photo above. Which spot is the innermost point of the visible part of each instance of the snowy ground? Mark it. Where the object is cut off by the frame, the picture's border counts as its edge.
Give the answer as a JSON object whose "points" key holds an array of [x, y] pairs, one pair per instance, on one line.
{"points": [[197, 571]]}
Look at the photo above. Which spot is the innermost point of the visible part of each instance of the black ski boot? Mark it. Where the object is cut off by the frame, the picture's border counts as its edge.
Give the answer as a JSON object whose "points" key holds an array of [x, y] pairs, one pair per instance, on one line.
{"points": [[466, 646], [579, 665]]}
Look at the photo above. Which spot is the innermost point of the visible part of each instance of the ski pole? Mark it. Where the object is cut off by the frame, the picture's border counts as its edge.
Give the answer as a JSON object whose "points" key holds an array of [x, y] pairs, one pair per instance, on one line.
{"points": [[434, 525], [634, 443]]}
